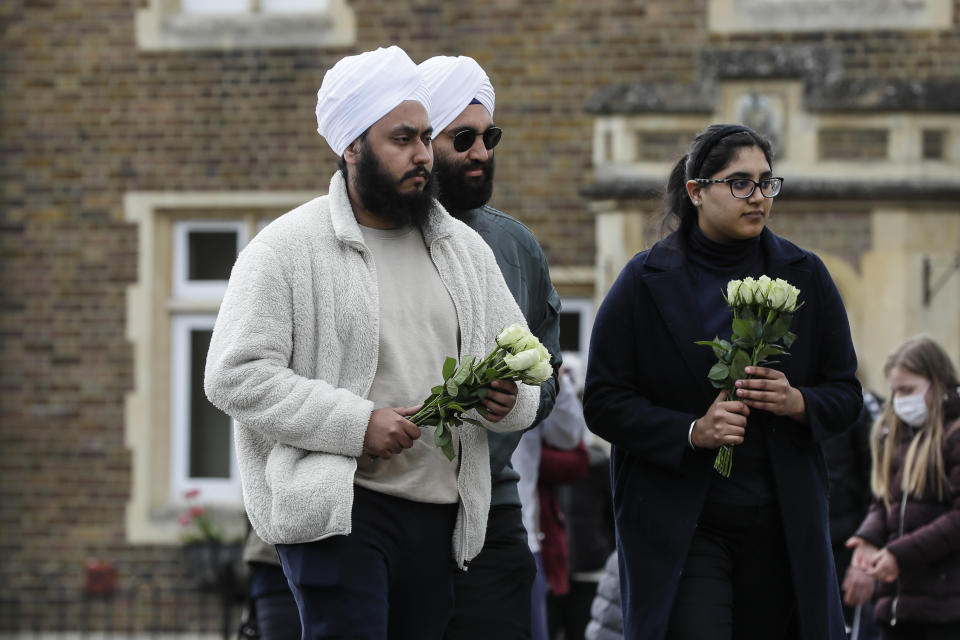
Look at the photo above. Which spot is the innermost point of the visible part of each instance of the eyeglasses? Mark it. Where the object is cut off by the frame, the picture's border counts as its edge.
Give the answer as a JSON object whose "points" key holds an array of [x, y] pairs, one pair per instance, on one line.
{"points": [[464, 139], [743, 188]]}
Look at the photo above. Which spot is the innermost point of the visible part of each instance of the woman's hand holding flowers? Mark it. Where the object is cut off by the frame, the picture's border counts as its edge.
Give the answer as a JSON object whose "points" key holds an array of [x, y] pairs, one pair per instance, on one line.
{"points": [[724, 423], [769, 389], [762, 312]]}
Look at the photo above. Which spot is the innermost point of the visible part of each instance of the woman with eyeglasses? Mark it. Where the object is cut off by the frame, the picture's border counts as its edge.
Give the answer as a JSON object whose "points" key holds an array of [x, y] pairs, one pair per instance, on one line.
{"points": [[703, 556], [910, 539]]}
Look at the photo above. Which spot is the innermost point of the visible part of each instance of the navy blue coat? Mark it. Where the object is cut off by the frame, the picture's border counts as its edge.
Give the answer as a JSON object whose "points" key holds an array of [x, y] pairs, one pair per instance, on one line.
{"points": [[647, 380]]}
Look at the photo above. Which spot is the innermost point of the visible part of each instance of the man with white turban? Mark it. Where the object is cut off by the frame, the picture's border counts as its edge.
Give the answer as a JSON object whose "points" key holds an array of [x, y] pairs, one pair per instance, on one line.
{"points": [[493, 598], [337, 318]]}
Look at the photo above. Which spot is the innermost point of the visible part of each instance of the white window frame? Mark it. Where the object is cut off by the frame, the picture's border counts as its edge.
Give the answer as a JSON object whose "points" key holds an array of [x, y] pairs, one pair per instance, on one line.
{"points": [[584, 308], [158, 482], [185, 288], [225, 491]]}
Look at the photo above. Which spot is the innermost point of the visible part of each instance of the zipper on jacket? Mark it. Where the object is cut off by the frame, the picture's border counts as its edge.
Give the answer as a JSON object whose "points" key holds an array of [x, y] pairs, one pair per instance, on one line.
{"points": [[896, 596]]}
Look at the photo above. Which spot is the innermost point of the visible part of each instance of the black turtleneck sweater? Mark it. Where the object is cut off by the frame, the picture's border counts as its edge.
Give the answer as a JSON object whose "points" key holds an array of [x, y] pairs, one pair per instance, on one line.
{"points": [[713, 265]]}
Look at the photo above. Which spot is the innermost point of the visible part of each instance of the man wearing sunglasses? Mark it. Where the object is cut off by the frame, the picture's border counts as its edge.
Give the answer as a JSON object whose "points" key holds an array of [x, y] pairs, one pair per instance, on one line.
{"points": [[492, 598]]}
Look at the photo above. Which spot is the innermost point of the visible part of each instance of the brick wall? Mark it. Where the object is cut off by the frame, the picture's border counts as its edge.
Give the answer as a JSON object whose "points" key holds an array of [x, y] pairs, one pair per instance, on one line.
{"points": [[86, 117]]}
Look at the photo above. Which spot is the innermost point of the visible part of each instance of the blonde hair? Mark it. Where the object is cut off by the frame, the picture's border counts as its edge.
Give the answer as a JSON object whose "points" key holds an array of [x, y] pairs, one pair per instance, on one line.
{"points": [[923, 462]]}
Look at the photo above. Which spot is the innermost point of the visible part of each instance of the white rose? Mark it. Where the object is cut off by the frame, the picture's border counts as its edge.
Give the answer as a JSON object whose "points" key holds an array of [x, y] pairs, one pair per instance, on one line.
{"points": [[763, 290], [538, 373], [791, 304], [777, 295], [733, 287], [511, 335], [748, 291], [522, 361]]}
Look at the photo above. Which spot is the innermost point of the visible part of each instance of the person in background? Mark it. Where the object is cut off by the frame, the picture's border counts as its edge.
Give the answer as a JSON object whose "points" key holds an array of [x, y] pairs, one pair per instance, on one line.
{"points": [[563, 430], [703, 556], [848, 470], [910, 539], [606, 616], [491, 599], [588, 524], [336, 319]]}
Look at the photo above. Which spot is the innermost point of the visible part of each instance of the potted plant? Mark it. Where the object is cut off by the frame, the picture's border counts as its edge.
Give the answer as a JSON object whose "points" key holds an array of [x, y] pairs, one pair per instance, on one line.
{"points": [[215, 562]]}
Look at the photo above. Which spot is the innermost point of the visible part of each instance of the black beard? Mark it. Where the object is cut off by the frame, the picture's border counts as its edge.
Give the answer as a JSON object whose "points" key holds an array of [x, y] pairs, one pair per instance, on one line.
{"points": [[378, 193], [457, 192]]}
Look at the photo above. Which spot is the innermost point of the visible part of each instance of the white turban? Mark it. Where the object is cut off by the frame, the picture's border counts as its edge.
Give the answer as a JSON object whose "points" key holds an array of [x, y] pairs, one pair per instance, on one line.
{"points": [[359, 90], [453, 84]]}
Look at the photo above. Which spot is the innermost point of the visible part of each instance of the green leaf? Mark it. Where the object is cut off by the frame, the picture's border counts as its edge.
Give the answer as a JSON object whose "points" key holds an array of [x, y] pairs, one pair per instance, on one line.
{"points": [[441, 438], [475, 423], [719, 384], [719, 350], [437, 390], [455, 406], [747, 331], [449, 366], [448, 451], [718, 372], [740, 361], [788, 339], [775, 331], [452, 387], [480, 393], [464, 370], [767, 351]]}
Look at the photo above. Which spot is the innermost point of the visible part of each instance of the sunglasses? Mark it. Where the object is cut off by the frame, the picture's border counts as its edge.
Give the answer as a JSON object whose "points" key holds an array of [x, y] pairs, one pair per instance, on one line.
{"points": [[464, 139]]}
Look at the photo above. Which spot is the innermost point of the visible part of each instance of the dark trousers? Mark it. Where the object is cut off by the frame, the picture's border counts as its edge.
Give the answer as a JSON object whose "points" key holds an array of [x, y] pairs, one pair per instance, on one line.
{"points": [[736, 582], [392, 577], [275, 609], [569, 614], [922, 631], [492, 598]]}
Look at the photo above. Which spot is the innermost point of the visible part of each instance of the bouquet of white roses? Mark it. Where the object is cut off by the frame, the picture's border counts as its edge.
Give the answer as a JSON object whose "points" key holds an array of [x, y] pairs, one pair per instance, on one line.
{"points": [[762, 312], [518, 356]]}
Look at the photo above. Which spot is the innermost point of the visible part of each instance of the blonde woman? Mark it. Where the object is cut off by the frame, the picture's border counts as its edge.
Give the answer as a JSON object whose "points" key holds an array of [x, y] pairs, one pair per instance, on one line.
{"points": [[910, 539]]}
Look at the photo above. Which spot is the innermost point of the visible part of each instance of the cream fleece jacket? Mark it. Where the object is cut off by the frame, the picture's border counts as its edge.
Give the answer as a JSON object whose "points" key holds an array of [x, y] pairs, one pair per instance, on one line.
{"points": [[294, 353]]}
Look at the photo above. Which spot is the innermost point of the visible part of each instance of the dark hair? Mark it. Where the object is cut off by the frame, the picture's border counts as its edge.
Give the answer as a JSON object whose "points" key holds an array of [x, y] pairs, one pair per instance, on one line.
{"points": [[711, 150]]}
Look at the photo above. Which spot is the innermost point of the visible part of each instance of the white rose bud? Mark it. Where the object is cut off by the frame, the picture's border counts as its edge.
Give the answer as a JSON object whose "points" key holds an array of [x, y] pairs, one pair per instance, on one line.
{"points": [[538, 373], [791, 304], [777, 295], [748, 291], [509, 336], [733, 287], [763, 290], [522, 361]]}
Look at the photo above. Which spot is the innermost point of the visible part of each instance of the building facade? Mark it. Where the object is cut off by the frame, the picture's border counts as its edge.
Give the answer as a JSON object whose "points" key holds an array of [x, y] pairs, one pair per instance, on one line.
{"points": [[144, 142]]}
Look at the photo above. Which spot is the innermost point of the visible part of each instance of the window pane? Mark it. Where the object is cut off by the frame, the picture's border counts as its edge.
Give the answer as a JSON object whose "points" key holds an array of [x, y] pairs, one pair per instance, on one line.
{"points": [[570, 331], [210, 448], [293, 6], [214, 6], [212, 254]]}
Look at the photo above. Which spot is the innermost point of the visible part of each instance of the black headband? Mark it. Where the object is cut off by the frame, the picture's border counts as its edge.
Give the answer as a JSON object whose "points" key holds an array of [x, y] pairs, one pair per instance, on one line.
{"points": [[710, 143]]}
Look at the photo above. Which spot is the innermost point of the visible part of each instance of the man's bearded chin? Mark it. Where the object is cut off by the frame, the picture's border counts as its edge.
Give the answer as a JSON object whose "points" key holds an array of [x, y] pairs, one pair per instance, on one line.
{"points": [[380, 194], [457, 192]]}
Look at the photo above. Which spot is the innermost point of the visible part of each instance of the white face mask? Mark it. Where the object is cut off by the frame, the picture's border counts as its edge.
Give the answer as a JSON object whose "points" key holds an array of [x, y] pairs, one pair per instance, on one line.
{"points": [[911, 409]]}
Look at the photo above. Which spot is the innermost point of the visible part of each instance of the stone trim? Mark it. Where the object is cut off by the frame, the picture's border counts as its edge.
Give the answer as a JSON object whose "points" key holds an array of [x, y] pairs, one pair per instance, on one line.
{"points": [[161, 26]]}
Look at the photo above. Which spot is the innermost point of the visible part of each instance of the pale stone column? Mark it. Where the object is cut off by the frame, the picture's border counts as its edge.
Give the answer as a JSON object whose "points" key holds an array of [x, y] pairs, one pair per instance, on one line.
{"points": [[893, 305]]}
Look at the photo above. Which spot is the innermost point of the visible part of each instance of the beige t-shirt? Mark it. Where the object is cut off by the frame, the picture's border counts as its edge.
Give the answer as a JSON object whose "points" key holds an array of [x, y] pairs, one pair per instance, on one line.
{"points": [[418, 331]]}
